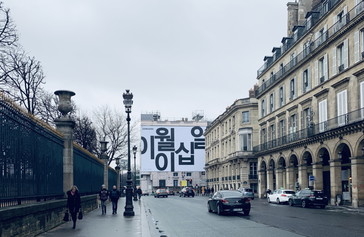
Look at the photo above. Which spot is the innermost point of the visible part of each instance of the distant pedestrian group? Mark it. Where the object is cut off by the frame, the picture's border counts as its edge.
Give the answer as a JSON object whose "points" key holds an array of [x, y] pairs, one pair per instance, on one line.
{"points": [[113, 195]]}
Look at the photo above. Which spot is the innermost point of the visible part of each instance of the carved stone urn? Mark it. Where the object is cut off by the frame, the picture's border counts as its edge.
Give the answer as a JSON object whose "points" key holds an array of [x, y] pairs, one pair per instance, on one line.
{"points": [[64, 105]]}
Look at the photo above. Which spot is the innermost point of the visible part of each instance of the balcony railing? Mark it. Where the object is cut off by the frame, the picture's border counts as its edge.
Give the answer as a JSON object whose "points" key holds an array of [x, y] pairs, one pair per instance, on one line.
{"points": [[335, 123], [346, 19]]}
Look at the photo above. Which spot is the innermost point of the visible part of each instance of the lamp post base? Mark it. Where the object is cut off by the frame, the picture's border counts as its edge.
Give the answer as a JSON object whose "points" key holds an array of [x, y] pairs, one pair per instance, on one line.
{"points": [[129, 209]]}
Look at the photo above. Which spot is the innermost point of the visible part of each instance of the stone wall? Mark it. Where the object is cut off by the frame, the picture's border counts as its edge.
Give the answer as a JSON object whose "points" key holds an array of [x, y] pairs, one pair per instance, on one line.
{"points": [[33, 219]]}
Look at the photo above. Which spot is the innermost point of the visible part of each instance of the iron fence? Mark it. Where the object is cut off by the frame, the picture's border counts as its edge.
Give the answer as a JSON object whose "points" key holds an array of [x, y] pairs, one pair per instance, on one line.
{"points": [[31, 159]]}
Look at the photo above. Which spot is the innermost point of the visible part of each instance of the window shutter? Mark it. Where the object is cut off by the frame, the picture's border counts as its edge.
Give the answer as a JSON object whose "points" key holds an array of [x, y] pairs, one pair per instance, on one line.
{"points": [[362, 98], [322, 114], [356, 47], [309, 78], [316, 73], [326, 68], [346, 54], [333, 63]]}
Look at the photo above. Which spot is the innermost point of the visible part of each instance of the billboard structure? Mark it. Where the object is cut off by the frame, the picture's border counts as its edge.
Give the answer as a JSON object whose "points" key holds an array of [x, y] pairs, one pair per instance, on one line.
{"points": [[172, 148]]}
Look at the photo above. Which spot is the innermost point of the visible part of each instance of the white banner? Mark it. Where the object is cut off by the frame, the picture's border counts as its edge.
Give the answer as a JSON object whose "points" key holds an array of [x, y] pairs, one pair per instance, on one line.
{"points": [[172, 148]]}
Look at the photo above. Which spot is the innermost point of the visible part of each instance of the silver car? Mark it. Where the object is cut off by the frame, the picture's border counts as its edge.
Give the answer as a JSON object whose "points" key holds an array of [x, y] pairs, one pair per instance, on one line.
{"points": [[247, 192]]}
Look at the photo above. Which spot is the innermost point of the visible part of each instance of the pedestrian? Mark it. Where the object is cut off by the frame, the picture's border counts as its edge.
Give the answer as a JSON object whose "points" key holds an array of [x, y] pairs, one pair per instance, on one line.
{"points": [[73, 203], [103, 195], [114, 196], [139, 192]]}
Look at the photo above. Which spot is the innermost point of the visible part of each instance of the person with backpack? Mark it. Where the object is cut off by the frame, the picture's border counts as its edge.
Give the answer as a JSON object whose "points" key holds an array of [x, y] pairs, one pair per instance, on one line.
{"points": [[103, 195], [114, 196]]}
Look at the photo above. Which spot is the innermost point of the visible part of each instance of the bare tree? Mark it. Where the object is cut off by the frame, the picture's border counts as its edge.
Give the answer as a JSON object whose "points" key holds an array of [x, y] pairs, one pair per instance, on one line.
{"points": [[85, 133], [8, 38], [23, 80], [47, 109], [8, 35], [111, 126]]}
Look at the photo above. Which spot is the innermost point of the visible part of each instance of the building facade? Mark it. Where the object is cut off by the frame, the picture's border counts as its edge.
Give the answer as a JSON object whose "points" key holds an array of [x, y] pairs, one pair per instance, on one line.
{"points": [[230, 162], [311, 103], [172, 153]]}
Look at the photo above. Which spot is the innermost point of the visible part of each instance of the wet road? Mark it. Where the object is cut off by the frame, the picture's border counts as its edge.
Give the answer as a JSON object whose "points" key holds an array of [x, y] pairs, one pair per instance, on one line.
{"points": [[176, 216]]}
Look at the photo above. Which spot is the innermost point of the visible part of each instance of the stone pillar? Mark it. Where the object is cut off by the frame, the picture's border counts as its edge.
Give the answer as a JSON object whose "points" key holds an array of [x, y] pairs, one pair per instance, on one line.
{"points": [[262, 185], [279, 175], [270, 179], [317, 173], [357, 172], [105, 158], [65, 125], [335, 179], [302, 176], [290, 178]]}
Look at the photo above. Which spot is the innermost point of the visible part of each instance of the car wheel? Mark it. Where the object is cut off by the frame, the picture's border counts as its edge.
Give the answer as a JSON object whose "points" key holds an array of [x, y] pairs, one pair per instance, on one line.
{"points": [[304, 204], [219, 209], [290, 202], [268, 200], [322, 207], [246, 212], [278, 202], [209, 208]]}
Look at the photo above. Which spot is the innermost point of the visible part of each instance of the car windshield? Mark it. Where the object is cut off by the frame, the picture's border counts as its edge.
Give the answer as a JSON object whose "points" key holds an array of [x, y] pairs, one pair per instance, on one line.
{"points": [[289, 192], [248, 190], [231, 194]]}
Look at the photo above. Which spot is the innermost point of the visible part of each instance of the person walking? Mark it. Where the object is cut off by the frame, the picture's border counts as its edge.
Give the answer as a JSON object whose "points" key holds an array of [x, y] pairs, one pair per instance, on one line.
{"points": [[139, 192], [114, 196], [104, 195], [73, 203]]}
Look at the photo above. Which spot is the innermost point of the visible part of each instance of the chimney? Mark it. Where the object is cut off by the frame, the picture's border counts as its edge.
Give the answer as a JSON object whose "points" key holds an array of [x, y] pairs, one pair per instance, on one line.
{"points": [[305, 6], [292, 8]]}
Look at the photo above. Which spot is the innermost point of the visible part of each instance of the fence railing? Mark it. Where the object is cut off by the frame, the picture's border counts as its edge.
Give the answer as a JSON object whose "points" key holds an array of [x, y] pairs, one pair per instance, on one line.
{"points": [[314, 129], [31, 161]]}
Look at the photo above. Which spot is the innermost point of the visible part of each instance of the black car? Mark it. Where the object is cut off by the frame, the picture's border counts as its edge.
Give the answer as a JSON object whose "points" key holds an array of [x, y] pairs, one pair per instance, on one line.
{"points": [[187, 192], [309, 198], [228, 202]]}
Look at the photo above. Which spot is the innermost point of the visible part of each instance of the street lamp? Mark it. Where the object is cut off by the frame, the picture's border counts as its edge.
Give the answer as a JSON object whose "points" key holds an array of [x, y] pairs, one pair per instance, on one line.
{"points": [[135, 194], [129, 209], [117, 168]]}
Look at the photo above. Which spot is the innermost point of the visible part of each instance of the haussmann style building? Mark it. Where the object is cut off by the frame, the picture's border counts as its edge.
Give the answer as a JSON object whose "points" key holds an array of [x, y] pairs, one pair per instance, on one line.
{"points": [[230, 162], [311, 106]]}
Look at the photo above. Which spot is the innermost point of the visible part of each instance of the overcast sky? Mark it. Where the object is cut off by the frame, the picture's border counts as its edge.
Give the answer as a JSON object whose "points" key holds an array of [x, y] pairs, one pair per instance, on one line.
{"points": [[176, 56]]}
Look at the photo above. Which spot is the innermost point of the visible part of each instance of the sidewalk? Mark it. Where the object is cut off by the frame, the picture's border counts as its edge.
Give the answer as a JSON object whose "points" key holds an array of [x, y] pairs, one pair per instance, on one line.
{"points": [[95, 224]]}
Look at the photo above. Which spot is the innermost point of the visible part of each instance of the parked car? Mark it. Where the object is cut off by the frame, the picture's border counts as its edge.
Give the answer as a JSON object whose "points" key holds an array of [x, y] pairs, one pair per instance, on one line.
{"points": [[170, 192], [309, 198], [145, 193], [187, 192], [162, 192], [247, 192], [229, 201], [280, 196]]}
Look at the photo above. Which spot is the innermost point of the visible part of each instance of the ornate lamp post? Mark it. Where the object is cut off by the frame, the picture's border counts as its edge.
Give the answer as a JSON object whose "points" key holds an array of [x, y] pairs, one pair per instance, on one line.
{"points": [[106, 159], [117, 168], [135, 194], [129, 209]]}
